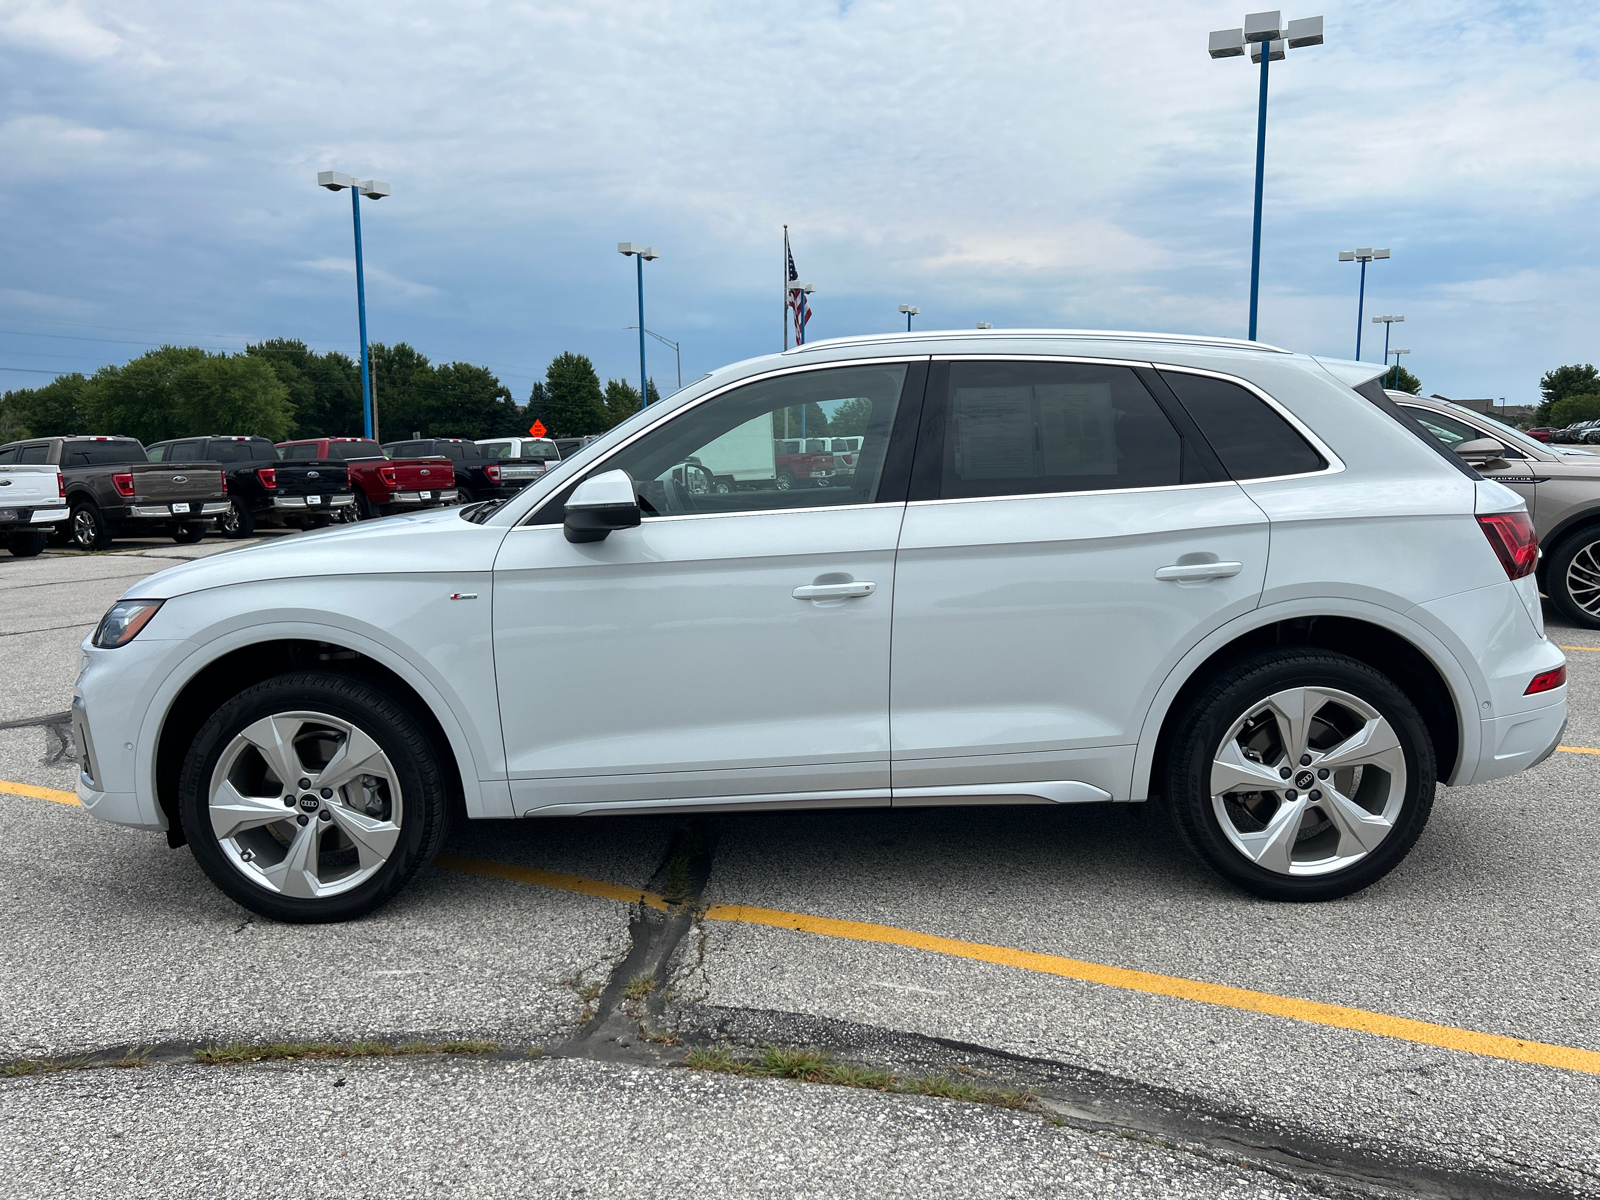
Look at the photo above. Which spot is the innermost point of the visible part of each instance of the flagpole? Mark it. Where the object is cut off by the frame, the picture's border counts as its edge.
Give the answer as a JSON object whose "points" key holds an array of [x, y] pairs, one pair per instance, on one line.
{"points": [[785, 274]]}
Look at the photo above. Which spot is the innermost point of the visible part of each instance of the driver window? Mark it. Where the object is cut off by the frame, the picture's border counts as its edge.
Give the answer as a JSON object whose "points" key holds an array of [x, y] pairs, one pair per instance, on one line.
{"points": [[1451, 431], [765, 446]]}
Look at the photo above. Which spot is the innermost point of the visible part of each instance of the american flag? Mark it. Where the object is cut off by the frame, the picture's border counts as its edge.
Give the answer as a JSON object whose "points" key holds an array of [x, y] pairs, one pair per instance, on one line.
{"points": [[794, 297]]}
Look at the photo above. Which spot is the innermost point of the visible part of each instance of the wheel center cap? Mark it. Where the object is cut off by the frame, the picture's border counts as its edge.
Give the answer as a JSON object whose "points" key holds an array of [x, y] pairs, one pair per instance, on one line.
{"points": [[1303, 780], [309, 802]]}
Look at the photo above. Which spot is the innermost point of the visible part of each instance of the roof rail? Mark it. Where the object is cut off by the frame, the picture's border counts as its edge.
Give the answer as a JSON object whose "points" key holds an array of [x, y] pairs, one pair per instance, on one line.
{"points": [[1005, 335]]}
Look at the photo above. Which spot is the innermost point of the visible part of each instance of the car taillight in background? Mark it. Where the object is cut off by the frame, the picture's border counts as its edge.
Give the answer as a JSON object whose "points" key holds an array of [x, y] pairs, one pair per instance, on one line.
{"points": [[123, 482], [1514, 541], [61, 485], [268, 477], [1547, 681], [222, 476], [493, 472], [388, 476]]}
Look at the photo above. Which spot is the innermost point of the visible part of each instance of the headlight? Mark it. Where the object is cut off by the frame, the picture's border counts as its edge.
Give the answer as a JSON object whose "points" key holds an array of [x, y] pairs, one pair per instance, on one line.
{"points": [[123, 622]]}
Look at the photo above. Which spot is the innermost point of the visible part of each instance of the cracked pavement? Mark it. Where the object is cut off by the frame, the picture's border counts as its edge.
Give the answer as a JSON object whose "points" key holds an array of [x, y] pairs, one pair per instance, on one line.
{"points": [[114, 940]]}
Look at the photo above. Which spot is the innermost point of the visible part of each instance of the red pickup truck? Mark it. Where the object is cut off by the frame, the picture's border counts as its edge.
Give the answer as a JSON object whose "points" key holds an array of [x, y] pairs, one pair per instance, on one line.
{"points": [[382, 485]]}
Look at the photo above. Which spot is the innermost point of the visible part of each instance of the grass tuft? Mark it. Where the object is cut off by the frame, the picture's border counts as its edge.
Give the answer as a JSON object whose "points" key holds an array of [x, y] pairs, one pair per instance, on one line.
{"points": [[639, 987], [676, 888]]}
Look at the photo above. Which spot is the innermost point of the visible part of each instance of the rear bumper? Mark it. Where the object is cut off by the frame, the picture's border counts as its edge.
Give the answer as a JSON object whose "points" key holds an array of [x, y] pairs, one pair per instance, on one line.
{"points": [[324, 503], [445, 496], [1519, 741], [27, 518], [164, 512]]}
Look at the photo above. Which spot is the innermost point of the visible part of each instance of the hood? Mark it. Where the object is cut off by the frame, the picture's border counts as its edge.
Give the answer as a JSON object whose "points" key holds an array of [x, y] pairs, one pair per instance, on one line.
{"points": [[437, 541]]}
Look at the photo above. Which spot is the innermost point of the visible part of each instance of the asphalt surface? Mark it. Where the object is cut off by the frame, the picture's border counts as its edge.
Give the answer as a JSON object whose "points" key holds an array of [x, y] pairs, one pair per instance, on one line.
{"points": [[113, 940]]}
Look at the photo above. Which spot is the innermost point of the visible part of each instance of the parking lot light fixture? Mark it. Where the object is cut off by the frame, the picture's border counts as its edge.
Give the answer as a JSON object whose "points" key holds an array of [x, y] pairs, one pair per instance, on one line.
{"points": [[1386, 322], [910, 311], [1263, 29], [1364, 255], [1397, 353], [676, 350], [640, 253], [372, 189]]}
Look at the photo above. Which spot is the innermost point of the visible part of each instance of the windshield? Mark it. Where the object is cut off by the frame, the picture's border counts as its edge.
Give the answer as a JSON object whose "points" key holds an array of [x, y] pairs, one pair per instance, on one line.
{"points": [[1512, 437], [539, 448], [106, 453], [343, 451]]}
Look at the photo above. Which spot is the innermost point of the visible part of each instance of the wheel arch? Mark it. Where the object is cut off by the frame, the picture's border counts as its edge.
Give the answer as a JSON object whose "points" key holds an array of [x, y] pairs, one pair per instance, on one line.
{"points": [[1569, 525], [1414, 670], [235, 668]]}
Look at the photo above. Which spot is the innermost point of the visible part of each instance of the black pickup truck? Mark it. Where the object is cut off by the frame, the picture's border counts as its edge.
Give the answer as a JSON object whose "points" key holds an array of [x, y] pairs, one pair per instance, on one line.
{"points": [[262, 487], [113, 490], [478, 476]]}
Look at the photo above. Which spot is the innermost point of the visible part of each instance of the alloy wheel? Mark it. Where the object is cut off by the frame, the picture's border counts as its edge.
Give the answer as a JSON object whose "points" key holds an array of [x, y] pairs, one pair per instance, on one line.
{"points": [[85, 531], [1308, 781], [1583, 579], [305, 804]]}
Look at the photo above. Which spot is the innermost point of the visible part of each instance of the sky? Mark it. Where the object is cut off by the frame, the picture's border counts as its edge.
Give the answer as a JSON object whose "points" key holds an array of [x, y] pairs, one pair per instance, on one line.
{"points": [[1029, 164]]}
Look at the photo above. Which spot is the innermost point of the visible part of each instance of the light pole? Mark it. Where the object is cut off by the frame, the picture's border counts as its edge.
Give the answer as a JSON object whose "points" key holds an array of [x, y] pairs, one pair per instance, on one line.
{"points": [[1386, 322], [1263, 29], [1363, 256], [1397, 354], [628, 250], [372, 189], [675, 350], [910, 311]]}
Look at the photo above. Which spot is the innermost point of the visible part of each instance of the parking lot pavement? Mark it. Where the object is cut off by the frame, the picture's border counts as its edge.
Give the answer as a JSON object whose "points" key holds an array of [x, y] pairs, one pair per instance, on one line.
{"points": [[112, 940], [559, 1128]]}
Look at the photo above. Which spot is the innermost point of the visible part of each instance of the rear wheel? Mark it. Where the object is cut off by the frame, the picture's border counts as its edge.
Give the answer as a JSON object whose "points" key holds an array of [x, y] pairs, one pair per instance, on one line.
{"points": [[238, 521], [187, 535], [785, 481], [87, 529], [28, 544], [313, 797], [1572, 577], [1301, 775], [364, 510]]}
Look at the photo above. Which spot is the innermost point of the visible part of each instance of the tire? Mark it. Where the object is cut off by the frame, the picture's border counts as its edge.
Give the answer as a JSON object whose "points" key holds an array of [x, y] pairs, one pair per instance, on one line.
{"points": [[87, 529], [465, 496], [319, 521], [785, 481], [364, 509], [1234, 732], [1572, 577], [27, 544], [238, 522], [403, 800], [188, 535]]}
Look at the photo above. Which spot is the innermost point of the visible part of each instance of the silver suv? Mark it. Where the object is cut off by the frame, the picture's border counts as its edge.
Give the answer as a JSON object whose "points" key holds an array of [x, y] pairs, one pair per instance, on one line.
{"points": [[1560, 484]]}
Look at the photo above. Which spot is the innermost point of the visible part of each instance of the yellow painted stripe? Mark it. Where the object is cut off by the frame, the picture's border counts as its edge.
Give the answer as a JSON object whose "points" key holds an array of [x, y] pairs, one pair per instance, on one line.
{"points": [[7, 787], [1312, 1011], [1591, 649], [1579, 749], [552, 879]]}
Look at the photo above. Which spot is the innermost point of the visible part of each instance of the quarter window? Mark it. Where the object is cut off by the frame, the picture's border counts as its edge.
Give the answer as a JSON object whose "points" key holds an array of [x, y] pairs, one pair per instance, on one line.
{"points": [[1250, 438], [1017, 429], [753, 449], [34, 454]]}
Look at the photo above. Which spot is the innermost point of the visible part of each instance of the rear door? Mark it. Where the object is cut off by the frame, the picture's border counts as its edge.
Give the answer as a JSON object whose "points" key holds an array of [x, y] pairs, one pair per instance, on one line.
{"points": [[1069, 538]]}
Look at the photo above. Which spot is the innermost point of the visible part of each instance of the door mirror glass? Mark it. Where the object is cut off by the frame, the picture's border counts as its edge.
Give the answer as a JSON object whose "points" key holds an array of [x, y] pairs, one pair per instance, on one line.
{"points": [[1480, 450], [600, 504]]}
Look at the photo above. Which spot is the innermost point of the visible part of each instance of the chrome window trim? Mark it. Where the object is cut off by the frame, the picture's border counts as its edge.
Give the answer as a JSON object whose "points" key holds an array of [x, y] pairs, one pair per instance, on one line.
{"points": [[759, 377], [1127, 491], [1335, 463], [749, 512]]}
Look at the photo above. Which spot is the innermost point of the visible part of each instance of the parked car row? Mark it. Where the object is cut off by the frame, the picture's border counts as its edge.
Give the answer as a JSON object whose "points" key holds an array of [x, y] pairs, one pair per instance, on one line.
{"points": [[89, 490], [1586, 433]]}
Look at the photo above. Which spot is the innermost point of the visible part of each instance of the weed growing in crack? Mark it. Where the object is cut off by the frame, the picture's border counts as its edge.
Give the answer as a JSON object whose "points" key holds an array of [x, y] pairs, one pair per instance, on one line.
{"points": [[639, 987], [240, 1052], [677, 886], [810, 1065]]}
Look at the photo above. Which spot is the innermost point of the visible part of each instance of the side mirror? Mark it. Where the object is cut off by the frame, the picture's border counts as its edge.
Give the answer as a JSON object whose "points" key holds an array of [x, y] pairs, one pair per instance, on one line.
{"points": [[1480, 450], [600, 504]]}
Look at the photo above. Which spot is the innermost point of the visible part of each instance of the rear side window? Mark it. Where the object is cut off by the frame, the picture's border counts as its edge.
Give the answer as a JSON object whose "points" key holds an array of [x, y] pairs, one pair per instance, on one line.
{"points": [[1018, 429], [34, 454], [1251, 439], [98, 454], [8, 456]]}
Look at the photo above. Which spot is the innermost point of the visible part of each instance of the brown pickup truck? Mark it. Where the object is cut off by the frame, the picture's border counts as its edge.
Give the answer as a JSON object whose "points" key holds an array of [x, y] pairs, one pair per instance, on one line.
{"points": [[383, 486], [114, 490]]}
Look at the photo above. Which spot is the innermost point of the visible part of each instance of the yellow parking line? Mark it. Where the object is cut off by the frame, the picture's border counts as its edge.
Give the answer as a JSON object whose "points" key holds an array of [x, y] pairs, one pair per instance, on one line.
{"points": [[1579, 749], [552, 879], [38, 793], [1591, 649]]}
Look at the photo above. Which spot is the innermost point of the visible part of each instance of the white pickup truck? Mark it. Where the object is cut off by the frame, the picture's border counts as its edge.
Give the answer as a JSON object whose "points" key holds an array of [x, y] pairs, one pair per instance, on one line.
{"points": [[33, 501]]}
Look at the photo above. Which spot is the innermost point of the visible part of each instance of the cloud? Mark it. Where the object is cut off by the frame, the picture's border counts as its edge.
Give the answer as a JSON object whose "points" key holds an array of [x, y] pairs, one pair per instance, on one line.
{"points": [[59, 27]]}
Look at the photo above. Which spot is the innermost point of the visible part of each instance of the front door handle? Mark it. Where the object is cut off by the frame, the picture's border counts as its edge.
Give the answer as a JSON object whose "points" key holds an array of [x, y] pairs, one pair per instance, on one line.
{"points": [[1191, 572], [834, 591]]}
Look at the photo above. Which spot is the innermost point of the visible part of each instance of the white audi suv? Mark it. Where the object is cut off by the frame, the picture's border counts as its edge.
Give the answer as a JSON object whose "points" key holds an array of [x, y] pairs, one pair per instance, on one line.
{"points": [[1067, 568]]}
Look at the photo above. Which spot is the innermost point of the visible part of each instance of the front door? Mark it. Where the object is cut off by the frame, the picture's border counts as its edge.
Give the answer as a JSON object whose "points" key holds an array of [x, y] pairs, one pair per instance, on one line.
{"points": [[1064, 546], [735, 647]]}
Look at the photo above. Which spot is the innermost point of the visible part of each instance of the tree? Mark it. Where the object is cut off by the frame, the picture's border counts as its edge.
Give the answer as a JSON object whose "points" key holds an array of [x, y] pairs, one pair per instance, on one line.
{"points": [[574, 404], [535, 410], [788, 422], [325, 389], [139, 399], [851, 417], [53, 410], [622, 401], [1407, 382], [1570, 409], [231, 394], [1577, 380], [651, 396]]}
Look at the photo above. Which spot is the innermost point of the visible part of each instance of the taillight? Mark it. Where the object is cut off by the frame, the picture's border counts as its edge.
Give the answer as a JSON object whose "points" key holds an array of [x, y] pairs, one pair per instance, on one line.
{"points": [[388, 476], [123, 482], [1547, 681], [61, 485], [222, 477], [1514, 541], [493, 472], [268, 476]]}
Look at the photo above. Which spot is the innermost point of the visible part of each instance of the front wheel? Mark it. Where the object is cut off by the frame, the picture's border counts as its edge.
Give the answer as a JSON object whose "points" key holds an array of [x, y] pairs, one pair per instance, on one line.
{"points": [[313, 797], [1572, 577], [1301, 775]]}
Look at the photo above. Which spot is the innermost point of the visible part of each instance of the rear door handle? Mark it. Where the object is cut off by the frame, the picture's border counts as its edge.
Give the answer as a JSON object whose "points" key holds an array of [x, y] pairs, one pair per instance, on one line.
{"points": [[1190, 572], [834, 591]]}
